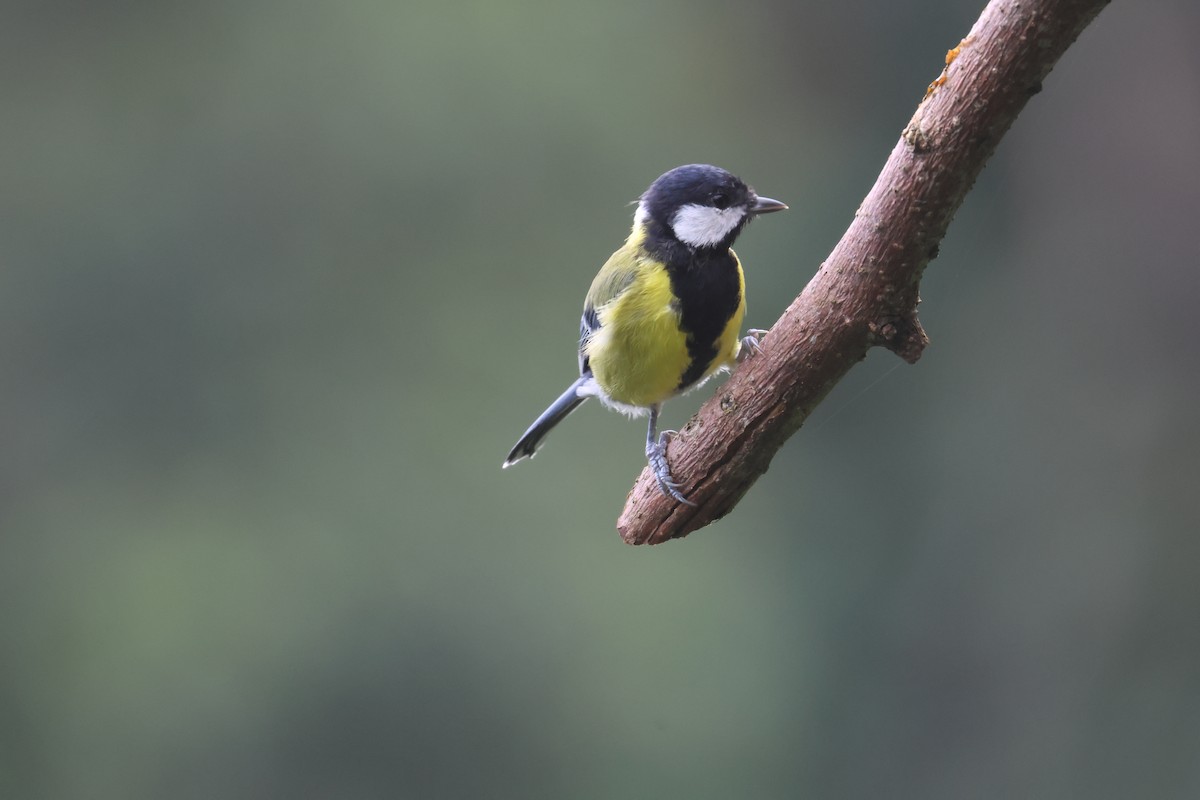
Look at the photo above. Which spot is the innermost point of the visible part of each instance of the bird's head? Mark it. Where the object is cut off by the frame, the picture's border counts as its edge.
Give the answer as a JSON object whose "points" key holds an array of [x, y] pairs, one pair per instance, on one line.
{"points": [[701, 206]]}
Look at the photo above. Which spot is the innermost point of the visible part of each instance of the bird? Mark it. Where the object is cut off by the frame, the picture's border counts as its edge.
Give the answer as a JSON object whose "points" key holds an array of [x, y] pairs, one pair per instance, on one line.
{"points": [[664, 313]]}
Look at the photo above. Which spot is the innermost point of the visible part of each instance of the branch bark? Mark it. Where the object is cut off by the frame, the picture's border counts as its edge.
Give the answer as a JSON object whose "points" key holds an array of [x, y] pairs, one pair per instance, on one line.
{"points": [[866, 293]]}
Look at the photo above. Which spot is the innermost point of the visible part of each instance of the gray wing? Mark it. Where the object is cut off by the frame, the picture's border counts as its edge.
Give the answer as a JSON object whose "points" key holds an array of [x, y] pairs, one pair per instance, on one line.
{"points": [[589, 323]]}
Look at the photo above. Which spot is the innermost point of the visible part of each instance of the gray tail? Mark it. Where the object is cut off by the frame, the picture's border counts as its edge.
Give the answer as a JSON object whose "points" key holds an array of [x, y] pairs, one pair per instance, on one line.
{"points": [[567, 402]]}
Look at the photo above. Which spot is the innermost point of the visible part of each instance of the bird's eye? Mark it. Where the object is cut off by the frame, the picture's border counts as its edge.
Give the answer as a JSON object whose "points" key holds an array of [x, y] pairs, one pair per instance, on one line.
{"points": [[719, 200]]}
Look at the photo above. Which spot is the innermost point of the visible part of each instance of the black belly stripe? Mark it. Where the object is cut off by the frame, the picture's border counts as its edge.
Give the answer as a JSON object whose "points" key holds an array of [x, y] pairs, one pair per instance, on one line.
{"points": [[708, 290]]}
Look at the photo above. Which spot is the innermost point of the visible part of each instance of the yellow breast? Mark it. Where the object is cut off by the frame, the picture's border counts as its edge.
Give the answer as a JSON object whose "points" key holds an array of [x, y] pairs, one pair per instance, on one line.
{"points": [[639, 354]]}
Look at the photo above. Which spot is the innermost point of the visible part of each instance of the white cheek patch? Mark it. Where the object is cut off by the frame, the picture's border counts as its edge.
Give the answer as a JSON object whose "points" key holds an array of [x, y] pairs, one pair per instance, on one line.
{"points": [[704, 226]]}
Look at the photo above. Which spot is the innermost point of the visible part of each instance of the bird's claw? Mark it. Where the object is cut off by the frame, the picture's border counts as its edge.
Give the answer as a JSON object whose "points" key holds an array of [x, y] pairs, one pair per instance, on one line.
{"points": [[751, 344], [657, 456]]}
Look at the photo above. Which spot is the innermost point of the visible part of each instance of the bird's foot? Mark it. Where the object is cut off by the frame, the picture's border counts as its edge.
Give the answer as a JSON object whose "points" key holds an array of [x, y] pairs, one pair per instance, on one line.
{"points": [[751, 344], [656, 454]]}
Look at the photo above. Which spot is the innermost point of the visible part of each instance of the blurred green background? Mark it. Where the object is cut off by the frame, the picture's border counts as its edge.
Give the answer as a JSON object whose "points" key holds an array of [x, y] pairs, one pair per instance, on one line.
{"points": [[282, 283]]}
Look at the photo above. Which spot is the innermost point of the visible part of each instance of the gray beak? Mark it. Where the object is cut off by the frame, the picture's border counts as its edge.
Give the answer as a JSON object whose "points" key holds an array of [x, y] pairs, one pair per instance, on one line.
{"points": [[765, 205]]}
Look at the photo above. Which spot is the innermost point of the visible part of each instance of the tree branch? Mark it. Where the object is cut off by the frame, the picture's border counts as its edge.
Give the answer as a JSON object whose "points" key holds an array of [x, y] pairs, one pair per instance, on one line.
{"points": [[866, 292]]}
